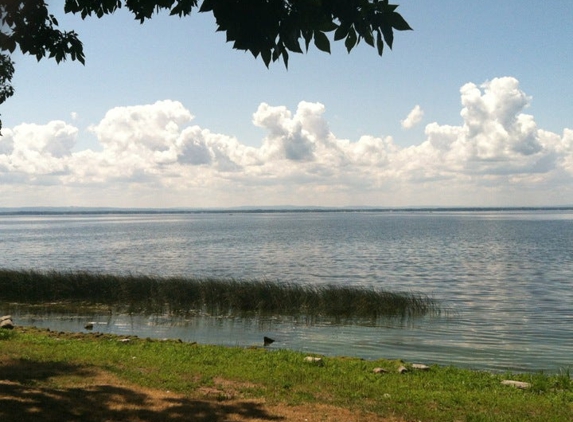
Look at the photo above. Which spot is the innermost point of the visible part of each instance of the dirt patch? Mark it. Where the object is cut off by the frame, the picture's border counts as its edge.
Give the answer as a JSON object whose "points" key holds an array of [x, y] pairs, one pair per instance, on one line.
{"points": [[324, 413], [47, 392]]}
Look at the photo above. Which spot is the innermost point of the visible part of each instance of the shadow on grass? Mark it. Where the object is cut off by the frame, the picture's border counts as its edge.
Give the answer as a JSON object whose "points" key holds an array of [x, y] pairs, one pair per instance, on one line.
{"points": [[26, 394]]}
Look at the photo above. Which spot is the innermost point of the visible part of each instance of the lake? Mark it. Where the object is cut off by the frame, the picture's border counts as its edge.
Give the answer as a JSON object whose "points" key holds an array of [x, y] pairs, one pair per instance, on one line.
{"points": [[506, 275]]}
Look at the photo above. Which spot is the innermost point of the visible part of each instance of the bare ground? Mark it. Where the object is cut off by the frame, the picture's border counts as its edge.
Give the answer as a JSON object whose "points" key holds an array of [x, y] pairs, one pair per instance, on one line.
{"points": [[46, 392]]}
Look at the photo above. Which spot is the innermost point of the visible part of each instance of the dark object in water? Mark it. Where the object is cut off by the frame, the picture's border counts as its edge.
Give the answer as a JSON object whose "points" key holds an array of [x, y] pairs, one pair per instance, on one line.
{"points": [[268, 341]]}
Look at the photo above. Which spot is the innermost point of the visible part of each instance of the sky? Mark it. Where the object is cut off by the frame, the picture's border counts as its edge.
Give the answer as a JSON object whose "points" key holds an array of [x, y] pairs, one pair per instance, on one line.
{"points": [[474, 107]]}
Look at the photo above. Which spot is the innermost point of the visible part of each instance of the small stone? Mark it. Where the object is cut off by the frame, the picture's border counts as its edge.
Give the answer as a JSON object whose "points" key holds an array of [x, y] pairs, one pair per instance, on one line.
{"points": [[6, 317], [402, 369], [420, 366], [267, 341], [380, 371], [517, 384], [6, 323], [312, 359], [89, 326], [125, 340]]}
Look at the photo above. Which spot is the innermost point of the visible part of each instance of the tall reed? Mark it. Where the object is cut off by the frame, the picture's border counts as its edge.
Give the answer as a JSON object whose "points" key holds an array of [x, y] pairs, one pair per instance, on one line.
{"points": [[177, 295]]}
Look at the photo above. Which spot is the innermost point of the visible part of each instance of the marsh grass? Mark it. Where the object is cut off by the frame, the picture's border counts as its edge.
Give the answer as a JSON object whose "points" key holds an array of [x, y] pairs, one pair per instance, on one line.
{"points": [[187, 296]]}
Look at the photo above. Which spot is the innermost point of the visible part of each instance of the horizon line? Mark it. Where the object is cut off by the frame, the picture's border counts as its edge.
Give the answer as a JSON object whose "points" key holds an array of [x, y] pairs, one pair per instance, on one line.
{"points": [[29, 210]]}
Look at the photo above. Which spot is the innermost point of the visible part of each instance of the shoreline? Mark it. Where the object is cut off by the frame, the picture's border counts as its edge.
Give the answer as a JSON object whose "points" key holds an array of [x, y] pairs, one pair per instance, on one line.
{"points": [[289, 333]]}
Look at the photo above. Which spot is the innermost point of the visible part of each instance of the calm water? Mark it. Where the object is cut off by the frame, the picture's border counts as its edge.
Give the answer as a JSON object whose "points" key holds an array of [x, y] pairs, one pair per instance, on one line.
{"points": [[507, 275]]}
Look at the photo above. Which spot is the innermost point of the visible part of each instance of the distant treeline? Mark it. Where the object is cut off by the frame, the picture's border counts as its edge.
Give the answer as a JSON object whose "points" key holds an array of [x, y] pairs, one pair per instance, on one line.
{"points": [[175, 295]]}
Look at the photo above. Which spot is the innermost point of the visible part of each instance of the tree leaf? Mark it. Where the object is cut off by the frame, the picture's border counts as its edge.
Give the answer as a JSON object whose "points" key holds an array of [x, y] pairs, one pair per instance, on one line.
{"points": [[351, 40], [379, 43], [187, 6], [7, 42], [384, 6], [388, 33], [328, 26], [307, 37], [291, 42], [285, 58], [71, 6], [277, 53], [207, 6], [266, 55], [321, 41], [341, 32], [398, 22], [369, 38]]}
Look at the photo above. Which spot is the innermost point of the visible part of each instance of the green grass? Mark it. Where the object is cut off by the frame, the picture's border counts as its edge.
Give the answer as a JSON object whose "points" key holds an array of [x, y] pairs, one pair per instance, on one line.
{"points": [[147, 294], [282, 376]]}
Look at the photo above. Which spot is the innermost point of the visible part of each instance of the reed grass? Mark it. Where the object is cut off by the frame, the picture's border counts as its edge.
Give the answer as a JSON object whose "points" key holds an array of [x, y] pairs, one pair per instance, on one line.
{"points": [[177, 295]]}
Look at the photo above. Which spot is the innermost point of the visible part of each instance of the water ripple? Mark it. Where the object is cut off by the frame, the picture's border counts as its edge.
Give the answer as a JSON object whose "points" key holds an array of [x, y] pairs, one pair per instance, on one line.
{"points": [[507, 275]]}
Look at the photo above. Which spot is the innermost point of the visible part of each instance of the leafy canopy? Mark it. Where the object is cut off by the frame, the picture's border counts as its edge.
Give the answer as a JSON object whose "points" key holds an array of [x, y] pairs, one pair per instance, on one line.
{"points": [[267, 28]]}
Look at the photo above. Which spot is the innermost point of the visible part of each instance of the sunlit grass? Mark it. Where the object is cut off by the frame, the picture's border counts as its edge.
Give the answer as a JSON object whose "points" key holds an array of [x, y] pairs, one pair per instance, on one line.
{"points": [[282, 376], [174, 295]]}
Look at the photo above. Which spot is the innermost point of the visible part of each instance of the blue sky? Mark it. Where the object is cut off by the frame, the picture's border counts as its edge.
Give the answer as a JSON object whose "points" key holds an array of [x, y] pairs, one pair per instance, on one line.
{"points": [[167, 114]]}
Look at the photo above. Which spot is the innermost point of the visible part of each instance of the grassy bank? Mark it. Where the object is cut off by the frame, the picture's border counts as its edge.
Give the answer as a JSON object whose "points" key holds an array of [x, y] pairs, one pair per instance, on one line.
{"points": [[100, 377], [146, 294]]}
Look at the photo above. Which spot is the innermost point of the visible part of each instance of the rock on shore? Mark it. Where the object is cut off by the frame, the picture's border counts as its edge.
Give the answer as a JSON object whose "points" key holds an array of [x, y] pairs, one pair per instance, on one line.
{"points": [[6, 322]]}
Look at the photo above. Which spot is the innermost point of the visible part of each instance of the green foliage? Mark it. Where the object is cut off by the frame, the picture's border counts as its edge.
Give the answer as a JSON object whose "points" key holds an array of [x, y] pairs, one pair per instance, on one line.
{"points": [[540, 383], [563, 380], [6, 334], [6, 73], [272, 28], [266, 28], [27, 24]]}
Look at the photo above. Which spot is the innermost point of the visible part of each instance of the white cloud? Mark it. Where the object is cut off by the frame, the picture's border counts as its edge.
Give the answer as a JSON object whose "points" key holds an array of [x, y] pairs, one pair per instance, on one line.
{"points": [[36, 152], [152, 127], [292, 138], [151, 155], [413, 118]]}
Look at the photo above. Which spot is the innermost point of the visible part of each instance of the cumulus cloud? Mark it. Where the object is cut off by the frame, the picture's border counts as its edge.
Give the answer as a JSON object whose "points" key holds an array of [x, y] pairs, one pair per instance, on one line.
{"points": [[152, 155], [36, 151], [413, 118], [153, 126], [291, 137]]}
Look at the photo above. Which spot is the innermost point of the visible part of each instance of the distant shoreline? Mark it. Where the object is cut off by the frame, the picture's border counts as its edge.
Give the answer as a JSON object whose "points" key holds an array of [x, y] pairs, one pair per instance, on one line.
{"points": [[260, 210]]}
